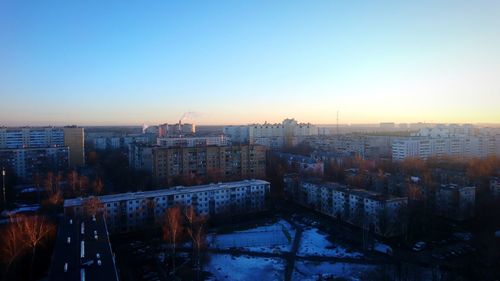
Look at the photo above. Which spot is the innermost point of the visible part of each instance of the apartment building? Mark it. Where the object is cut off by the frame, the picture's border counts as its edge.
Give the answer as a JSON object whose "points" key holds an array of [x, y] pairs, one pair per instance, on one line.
{"points": [[381, 214], [74, 140], [34, 137], [218, 162], [456, 202], [303, 164], [214, 163], [26, 163], [46, 137], [463, 141], [288, 133], [130, 211], [113, 141], [193, 141]]}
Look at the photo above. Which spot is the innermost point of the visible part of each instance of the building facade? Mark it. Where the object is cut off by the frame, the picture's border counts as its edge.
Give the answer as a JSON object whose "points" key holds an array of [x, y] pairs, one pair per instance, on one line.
{"points": [[381, 214], [303, 164], [74, 140], [27, 163], [456, 202], [46, 137], [193, 141], [214, 163], [131, 211], [285, 134], [465, 141]]}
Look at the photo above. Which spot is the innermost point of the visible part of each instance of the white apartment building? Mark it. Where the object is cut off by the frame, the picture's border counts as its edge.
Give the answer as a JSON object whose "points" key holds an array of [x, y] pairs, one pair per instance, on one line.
{"points": [[456, 146], [381, 214], [129, 211], [287, 133], [456, 202], [11, 138], [402, 149]]}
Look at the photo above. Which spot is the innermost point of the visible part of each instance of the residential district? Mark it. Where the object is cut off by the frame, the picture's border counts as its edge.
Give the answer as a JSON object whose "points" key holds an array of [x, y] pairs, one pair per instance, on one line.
{"points": [[286, 201]]}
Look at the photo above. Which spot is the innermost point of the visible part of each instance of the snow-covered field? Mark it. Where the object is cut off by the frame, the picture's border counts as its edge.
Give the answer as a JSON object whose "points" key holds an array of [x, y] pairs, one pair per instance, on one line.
{"points": [[315, 243], [269, 238], [227, 267], [306, 270]]}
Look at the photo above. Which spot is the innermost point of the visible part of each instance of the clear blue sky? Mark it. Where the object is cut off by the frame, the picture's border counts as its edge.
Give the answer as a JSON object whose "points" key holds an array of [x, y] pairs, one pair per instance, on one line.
{"points": [[233, 62]]}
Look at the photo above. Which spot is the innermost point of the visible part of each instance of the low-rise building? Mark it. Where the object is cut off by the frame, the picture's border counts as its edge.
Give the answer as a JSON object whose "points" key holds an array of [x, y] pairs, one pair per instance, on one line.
{"points": [[303, 164], [130, 211], [456, 202], [381, 214]]}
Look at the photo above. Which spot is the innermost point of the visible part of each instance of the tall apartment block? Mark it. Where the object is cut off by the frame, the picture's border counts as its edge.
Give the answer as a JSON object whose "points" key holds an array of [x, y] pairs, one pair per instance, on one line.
{"points": [[30, 150], [26, 163], [74, 139], [215, 162], [131, 211]]}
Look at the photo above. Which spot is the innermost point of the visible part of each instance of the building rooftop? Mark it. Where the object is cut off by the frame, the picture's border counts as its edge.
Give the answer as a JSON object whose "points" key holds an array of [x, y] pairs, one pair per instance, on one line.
{"points": [[453, 186], [83, 251], [357, 191], [164, 192], [296, 158]]}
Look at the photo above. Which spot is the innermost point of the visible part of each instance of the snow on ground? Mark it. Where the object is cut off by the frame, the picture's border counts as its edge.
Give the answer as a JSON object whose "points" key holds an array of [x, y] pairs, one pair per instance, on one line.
{"points": [[306, 270], [314, 243], [227, 267], [269, 238]]}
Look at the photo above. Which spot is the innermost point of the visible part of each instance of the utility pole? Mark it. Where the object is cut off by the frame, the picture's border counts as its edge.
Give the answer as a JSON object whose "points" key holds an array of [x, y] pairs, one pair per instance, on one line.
{"points": [[3, 187]]}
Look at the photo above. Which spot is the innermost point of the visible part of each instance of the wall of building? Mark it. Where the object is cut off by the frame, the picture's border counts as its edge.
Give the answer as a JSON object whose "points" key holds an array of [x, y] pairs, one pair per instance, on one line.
{"points": [[132, 211], [383, 215]]}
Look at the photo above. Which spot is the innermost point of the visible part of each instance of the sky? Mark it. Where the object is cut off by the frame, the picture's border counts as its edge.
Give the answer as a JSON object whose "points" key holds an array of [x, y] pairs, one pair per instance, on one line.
{"points": [[100, 62]]}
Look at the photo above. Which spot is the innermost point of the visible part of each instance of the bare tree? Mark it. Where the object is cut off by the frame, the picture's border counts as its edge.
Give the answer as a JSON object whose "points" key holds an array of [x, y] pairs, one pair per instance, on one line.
{"points": [[13, 246], [173, 229], [196, 231], [35, 231], [97, 186]]}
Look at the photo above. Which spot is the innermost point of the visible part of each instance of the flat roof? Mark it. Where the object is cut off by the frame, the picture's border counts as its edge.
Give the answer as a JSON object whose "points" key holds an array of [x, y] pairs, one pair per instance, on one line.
{"points": [[164, 192], [357, 191], [453, 186]]}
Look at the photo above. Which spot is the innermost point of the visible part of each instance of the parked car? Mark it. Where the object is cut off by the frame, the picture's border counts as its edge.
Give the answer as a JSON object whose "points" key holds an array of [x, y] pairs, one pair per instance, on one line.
{"points": [[419, 246]]}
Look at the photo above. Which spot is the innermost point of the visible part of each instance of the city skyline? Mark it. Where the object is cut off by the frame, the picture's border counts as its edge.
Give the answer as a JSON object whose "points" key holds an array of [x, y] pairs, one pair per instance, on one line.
{"points": [[239, 63]]}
